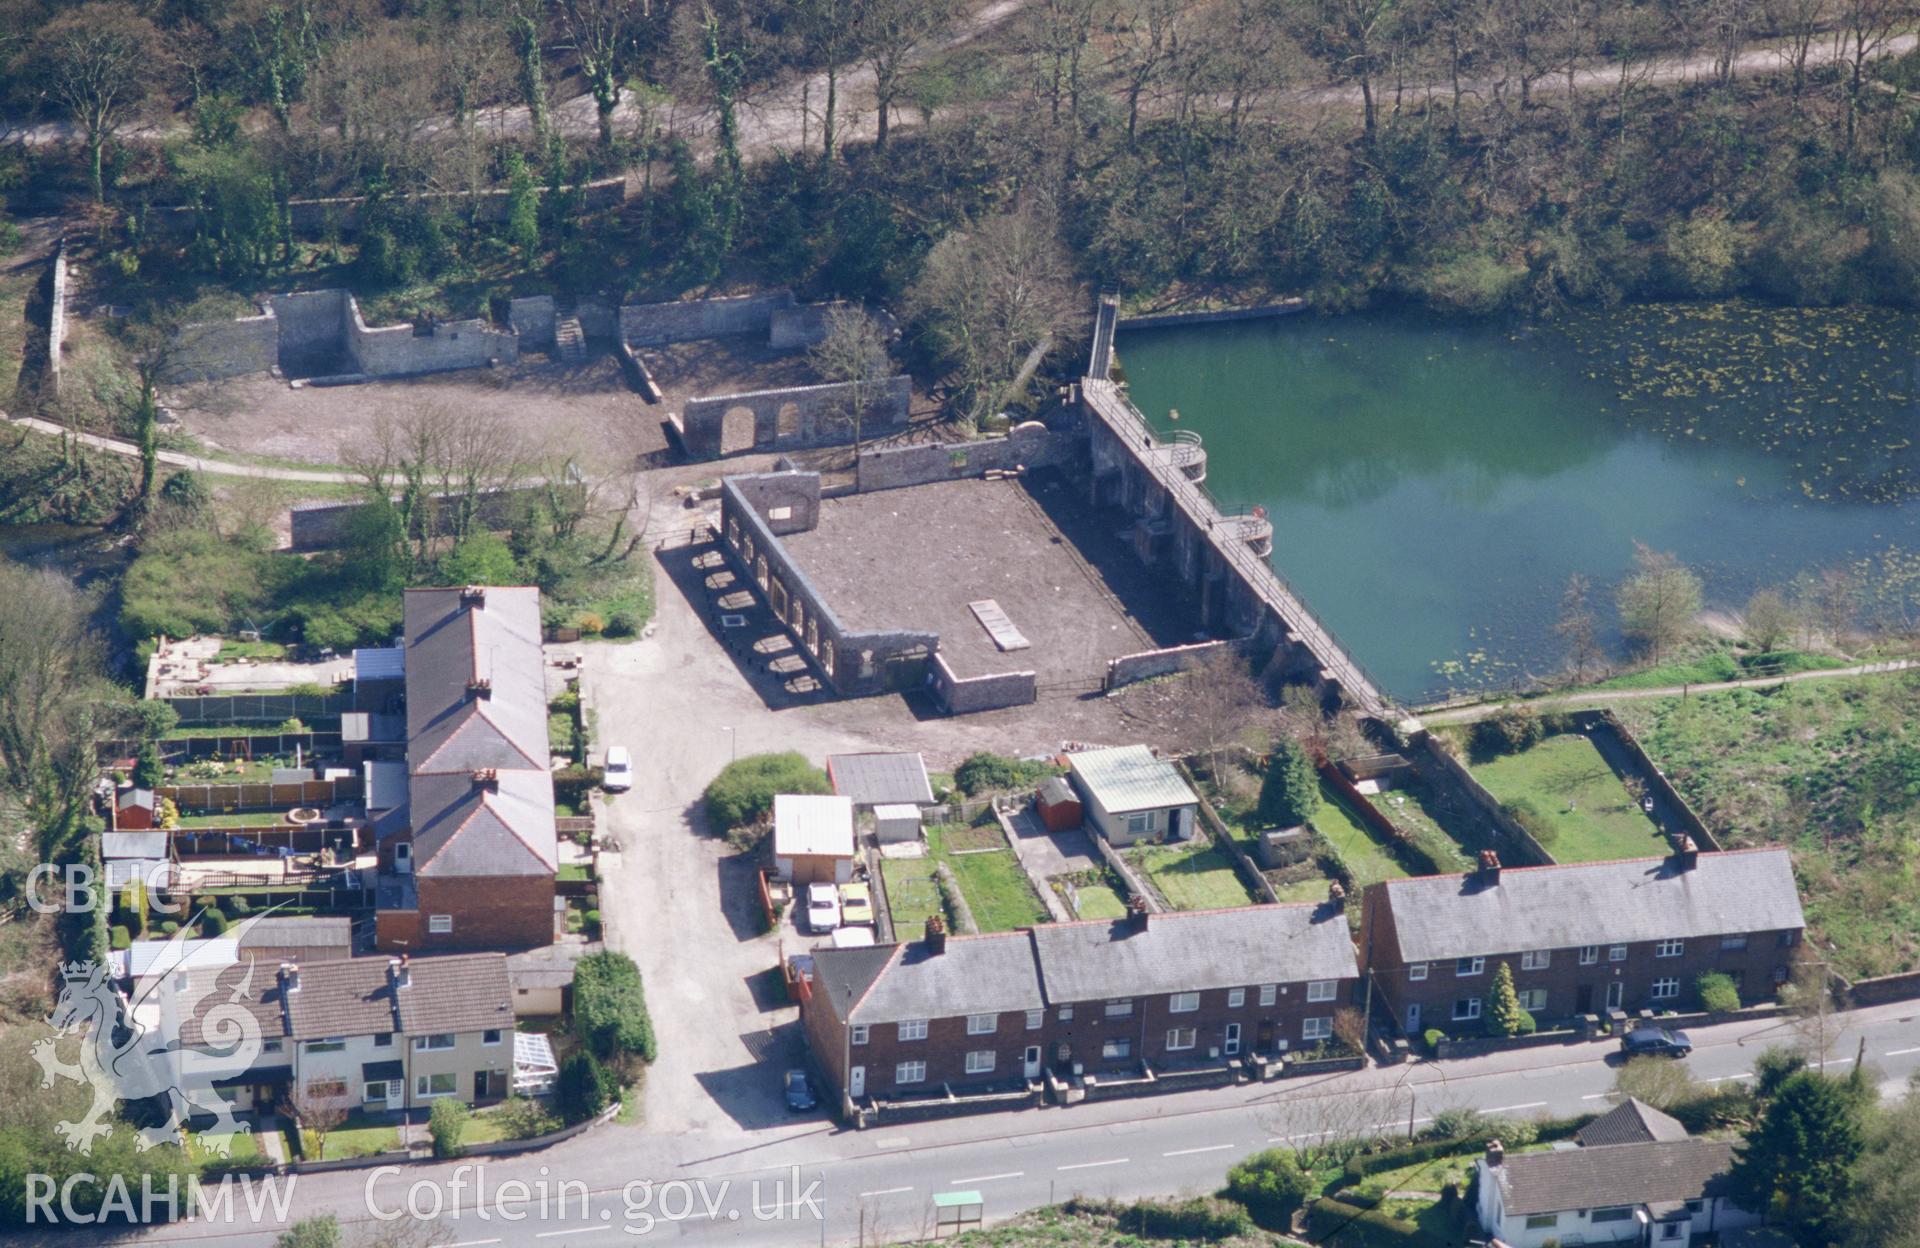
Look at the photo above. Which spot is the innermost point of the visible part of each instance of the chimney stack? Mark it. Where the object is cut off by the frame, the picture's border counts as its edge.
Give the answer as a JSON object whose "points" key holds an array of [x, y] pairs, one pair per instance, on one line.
{"points": [[1686, 854], [1490, 866], [1137, 913], [399, 973], [289, 977], [480, 687], [487, 778], [1337, 895], [473, 595], [936, 934], [1496, 1152]]}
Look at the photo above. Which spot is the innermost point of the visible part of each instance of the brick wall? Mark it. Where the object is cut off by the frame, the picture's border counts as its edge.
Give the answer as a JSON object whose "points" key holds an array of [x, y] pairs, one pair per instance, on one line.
{"points": [[489, 912]]}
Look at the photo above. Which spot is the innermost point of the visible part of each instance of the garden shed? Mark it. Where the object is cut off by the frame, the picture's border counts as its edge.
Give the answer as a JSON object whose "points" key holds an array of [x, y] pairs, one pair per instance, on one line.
{"points": [[896, 823], [1132, 796], [813, 838], [1059, 805]]}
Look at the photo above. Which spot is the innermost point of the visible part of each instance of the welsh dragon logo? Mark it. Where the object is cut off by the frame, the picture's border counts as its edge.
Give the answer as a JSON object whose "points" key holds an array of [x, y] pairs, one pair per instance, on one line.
{"points": [[123, 1060]]}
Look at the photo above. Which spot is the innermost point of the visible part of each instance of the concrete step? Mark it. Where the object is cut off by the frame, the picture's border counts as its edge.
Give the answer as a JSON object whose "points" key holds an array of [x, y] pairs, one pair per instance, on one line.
{"points": [[569, 342]]}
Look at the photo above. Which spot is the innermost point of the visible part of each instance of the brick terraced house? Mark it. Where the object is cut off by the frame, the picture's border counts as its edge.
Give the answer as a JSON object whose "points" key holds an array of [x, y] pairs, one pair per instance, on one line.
{"points": [[979, 1014], [1581, 939], [468, 861]]}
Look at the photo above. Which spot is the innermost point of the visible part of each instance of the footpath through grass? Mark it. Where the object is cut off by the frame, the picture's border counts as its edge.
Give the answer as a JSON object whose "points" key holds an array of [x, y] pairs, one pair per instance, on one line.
{"points": [[1567, 783], [1829, 768]]}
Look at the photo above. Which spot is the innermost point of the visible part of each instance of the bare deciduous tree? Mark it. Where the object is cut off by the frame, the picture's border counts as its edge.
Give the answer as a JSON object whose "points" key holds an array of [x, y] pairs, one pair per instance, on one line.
{"points": [[1770, 619], [1658, 600], [1577, 628], [890, 33], [605, 36], [853, 354], [100, 62]]}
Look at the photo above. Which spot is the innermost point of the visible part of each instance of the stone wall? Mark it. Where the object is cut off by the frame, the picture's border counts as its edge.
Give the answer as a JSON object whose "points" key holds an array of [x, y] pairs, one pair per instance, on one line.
{"points": [[688, 320], [321, 333], [1029, 446], [533, 318], [402, 350], [215, 349], [789, 419], [57, 319], [311, 217], [854, 663], [1146, 664], [1517, 846], [324, 526], [790, 329], [962, 695]]}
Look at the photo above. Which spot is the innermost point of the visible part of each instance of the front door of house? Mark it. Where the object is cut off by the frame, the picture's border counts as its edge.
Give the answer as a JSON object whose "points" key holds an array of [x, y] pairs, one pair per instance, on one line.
{"points": [[857, 1081], [1413, 1019], [1583, 999], [1616, 993], [1033, 1061], [1233, 1039], [403, 858]]}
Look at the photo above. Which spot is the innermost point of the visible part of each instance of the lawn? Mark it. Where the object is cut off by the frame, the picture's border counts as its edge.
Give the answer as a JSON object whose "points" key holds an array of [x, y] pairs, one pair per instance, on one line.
{"points": [[996, 889], [1592, 816], [1368, 859], [1827, 768], [574, 871], [1194, 875], [912, 896], [1452, 844], [235, 651], [1098, 901], [358, 1136], [257, 819], [242, 1151]]}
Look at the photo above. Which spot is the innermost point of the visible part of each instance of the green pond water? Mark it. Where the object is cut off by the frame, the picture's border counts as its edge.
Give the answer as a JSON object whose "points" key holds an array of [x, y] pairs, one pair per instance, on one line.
{"points": [[1432, 486]]}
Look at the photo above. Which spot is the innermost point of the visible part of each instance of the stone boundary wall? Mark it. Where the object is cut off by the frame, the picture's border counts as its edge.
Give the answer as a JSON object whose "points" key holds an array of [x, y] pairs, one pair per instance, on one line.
{"points": [[342, 213], [1604, 721], [1146, 664], [755, 511], [178, 750], [1027, 446], [211, 350], [1517, 838], [57, 319], [1883, 988], [964, 694], [787, 419], [1134, 885], [795, 328], [1251, 874], [688, 320], [1161, 320], [533, 318], [324, 526]]}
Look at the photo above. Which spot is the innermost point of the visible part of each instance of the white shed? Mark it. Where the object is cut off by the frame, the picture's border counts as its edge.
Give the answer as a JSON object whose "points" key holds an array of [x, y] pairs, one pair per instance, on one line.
{"points": [[899, 821], [813, 838], [1133, 796]]}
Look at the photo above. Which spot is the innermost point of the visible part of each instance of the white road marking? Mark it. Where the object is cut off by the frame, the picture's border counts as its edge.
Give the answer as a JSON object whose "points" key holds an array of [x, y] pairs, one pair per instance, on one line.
{"points": [[1089, 1165], [1507, 1109], [1745, 1074], [1596, 1096], [473, 1243], [1900, 1052], [986, 1178], [1188, 1152], [886, 1191], [571, 1230]]}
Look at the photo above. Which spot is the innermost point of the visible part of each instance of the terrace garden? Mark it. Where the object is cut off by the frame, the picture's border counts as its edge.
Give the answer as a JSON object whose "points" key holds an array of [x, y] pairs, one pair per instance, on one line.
{"points": [[988, 879], [1565, 794], [1192, 875]]}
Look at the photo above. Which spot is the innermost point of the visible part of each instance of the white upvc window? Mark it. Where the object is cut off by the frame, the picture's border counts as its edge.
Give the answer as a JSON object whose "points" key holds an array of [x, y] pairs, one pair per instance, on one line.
{"points": [[1532, 1000], [1140, 823], [1035, 1018], [1466, 1009], [913, 1029], [1469, 966], [443, 1084], [1180, 1038], [490, 1037], [1616, 953], [1323, 989], [980, 1062], [1116, 1048], [1542, 1221], [1236, 997], [375, 1091], [1183, 1003], [1535, 959], [982, 1024], [1416, 971], [1733, 942], [859, 1033], [1589, 954], [1269, 993], [332, 1044], [1666, 989], [433, 1043], [1120, 1008], [1316, 1028], [1066, 1013], [1669, 948], [439, 924], [910, 1072]]}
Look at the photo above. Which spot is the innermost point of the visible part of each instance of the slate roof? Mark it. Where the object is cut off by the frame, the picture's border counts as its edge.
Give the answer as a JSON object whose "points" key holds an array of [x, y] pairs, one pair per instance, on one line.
{"points": [[297, 931], [352, 997], [1620, 1174], [1130, 778], [1630, 1122], [1194, 950], [880, 779], [991, 974], [1641, 899], [133, 844], [459, 827]]}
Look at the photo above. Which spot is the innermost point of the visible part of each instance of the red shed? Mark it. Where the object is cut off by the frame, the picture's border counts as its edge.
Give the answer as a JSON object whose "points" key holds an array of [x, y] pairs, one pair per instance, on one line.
{"points": [[133, 810], [1059, 804]]}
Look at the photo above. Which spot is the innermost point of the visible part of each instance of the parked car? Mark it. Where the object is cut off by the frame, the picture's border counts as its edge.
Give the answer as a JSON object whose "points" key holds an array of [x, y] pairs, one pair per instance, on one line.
{"points": [[800, 1096], [856, 903], [823, 908], [618, 772], [1655, 1042]]}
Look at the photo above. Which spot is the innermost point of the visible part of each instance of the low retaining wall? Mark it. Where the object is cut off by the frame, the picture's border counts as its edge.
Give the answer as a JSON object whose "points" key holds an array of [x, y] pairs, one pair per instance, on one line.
{"points": [[657, 324], [533, 318], [1474, 1046], [325, 526], [1161, 320], [931, 1109], [1147, 664], [1884, 988], [57, 319], [492, 1148], [1029, 445], [962, 695]]}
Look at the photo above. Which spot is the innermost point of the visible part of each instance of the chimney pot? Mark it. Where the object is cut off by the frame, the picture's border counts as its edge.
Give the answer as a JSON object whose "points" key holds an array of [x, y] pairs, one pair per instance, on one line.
{"points": [[473, 595], [1337, 895], [1138, 915], [1496, 1153], [290, 977], [936, 934], [1490, 864], [399, 972], [487, 778], [480, 687], [1686, 854]]}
